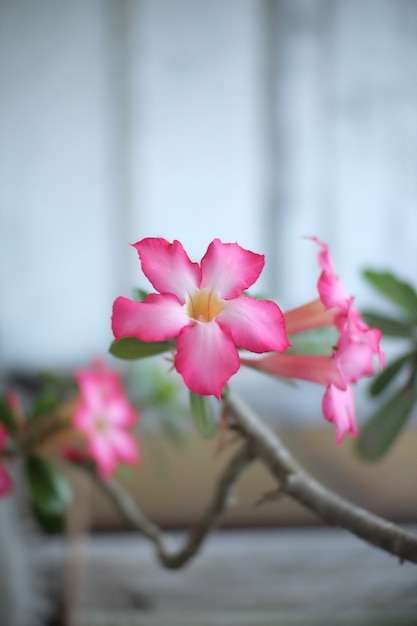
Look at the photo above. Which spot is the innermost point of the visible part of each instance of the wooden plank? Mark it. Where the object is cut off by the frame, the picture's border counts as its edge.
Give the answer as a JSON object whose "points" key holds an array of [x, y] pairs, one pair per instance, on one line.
{"points": [[249, 577]]}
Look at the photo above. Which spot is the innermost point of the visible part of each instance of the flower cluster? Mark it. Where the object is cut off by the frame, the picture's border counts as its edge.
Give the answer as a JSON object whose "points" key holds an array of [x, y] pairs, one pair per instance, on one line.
{"points": [[104, 414], [352, 356], [202, 310]]}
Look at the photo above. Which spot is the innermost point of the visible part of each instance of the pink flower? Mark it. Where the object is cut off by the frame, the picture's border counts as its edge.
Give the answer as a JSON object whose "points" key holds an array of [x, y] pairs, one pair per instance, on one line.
{"points": [[353, 355], [202, 307], [5, 480], [104, 414]]}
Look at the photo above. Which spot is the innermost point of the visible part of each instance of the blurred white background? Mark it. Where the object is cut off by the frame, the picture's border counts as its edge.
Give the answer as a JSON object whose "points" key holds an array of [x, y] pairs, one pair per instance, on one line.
{"points": [[257, 121]]}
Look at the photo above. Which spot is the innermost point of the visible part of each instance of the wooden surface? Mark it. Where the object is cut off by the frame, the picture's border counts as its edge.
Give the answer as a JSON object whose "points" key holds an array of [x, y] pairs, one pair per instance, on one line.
{"points": [[282, 577]]}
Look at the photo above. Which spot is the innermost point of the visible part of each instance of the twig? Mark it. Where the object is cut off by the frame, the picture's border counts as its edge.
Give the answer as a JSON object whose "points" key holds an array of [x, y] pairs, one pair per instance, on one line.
{"points": [[219, 504], [299, 485]]}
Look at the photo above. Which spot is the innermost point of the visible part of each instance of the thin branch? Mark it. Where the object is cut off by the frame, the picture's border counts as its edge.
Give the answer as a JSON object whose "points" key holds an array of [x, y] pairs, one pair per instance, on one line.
{"points": [[299, 485], [218, 506]]}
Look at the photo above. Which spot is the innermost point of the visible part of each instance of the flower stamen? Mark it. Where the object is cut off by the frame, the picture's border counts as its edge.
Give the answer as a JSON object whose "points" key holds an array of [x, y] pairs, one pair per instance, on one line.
{"points": [[203, 306]]}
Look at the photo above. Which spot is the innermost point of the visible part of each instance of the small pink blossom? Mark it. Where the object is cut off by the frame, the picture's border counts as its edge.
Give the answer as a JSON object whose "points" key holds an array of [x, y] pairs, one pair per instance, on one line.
{"points": [[5, 480], [202, 306], [104, 415], [353, 354]]}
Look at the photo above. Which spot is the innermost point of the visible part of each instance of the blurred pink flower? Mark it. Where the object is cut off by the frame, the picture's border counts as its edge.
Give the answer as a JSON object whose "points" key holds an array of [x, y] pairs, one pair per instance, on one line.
{"points": [[202, 307], [5, 480], [104, 414]]}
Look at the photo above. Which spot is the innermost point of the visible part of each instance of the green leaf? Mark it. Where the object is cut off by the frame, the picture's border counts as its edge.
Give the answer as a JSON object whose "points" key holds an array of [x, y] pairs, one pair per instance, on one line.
{"points": [[6, 416], [315, 342], [50, 491], [60, 385], [46, 402], [396, 290], [258, 296], [51, 523], [390, 371], [389, 326], [139, 295], [383, 427], [132, 348], [203, 414]]}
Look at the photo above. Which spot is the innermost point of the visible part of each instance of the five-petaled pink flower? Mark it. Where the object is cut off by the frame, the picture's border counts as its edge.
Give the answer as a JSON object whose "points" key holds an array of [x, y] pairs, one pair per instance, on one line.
{"points": [[353, 354], [202, 306], [104, 414]]}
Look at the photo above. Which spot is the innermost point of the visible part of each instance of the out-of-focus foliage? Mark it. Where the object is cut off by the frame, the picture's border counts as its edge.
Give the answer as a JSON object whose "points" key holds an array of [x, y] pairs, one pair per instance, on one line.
{"points": [[396, 385]]}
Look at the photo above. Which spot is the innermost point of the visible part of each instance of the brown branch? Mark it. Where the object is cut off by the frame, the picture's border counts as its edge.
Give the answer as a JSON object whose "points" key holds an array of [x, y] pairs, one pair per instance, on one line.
{"points": [[262, 442], [219, 504], [299, 485]]}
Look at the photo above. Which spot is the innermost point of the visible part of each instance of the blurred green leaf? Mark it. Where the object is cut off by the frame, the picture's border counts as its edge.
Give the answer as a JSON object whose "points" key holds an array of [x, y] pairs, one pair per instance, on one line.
{"points": [[57, 383], [139, 295], [257, 296], [6, 416], [171, 428], [132, 348], [203, 414], [380, 382], [50, 491], [380, 431], [396, 290], [51, 523], [46, 402], [316, 341], [389, 326]]}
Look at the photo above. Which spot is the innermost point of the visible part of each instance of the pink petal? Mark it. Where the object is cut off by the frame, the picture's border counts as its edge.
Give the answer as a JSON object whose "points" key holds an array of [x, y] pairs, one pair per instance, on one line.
{"points": [[93, 389], [357, 345], [330, 288], [321, 369], [120, 412], [325, 260], [168, 266], [352, 327], [157, 318], [356, 361], [206, 358], [124, 446], [228, 269], [331, 291], [101, 451], [309, 316], [255, 325], [5, 481], [339, 408], [81, 418]]}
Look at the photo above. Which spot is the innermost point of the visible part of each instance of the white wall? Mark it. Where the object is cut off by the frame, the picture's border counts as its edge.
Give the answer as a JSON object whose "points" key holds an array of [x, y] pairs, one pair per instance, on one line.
{"points": [[256, 121], [57, 205]]}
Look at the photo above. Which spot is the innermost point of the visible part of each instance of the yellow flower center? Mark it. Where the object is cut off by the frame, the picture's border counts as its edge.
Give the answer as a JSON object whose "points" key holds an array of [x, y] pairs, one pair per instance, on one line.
{"points": [[101, 425], [203, 306]]}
